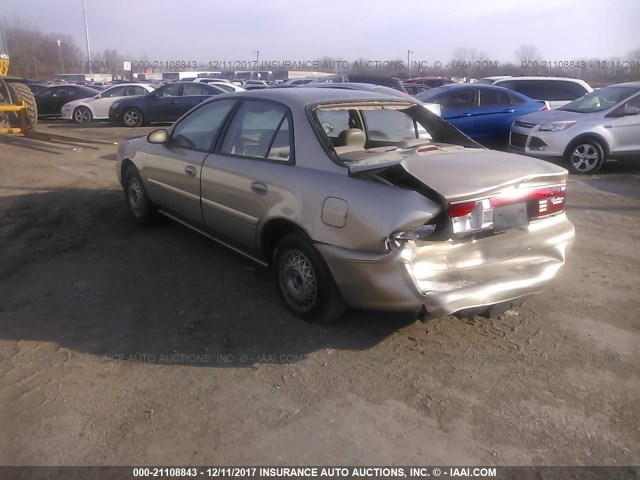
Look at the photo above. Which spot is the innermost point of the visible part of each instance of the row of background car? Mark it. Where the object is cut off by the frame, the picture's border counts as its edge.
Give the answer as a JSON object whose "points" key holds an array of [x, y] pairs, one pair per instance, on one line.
{"points": [[486, 111]]}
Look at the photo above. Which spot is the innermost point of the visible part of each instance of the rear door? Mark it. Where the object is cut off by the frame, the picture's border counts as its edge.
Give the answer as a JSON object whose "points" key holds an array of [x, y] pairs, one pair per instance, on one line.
{"points": [[173, 170], [246, 176]]}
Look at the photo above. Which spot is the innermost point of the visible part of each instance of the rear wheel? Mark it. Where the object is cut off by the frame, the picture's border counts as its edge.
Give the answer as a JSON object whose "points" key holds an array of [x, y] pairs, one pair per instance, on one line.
{"points": [[585, 157], [132, 117], [304, 282], [82, 115], [19, 92]]}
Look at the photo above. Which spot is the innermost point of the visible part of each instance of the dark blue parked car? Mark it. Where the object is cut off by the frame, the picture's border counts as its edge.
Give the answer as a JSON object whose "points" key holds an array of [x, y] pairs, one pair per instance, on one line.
{"points": [[483, 112], [166, 104]]}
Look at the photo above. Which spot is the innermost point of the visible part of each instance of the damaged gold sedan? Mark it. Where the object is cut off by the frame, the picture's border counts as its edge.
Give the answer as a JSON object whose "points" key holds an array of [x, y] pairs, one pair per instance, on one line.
{"points": [[356, 199]]}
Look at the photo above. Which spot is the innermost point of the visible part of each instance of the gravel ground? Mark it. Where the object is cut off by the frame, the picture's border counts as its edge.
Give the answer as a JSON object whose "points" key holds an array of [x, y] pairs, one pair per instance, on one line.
{"points": [[121, 345]]}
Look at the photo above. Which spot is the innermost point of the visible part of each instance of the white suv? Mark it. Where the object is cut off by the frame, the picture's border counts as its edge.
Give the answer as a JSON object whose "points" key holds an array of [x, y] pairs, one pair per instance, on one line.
{"points": [[554, 91]]}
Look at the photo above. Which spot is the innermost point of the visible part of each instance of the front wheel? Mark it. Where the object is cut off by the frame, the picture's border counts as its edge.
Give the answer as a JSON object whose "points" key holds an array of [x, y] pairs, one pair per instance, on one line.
{"points": [[82, 115], [305, 283], [585, 157], [141, 208], [132, 117]]}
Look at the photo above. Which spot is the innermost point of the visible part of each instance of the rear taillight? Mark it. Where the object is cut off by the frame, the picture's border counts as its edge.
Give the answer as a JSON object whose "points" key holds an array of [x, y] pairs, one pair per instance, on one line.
{"points": [[546, 201], [477, 215]]}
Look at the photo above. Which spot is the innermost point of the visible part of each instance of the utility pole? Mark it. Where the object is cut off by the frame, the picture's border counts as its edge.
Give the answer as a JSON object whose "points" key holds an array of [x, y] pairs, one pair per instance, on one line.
{"points": [[86, 34], [257, 53], [409, 52], [60, 56]]}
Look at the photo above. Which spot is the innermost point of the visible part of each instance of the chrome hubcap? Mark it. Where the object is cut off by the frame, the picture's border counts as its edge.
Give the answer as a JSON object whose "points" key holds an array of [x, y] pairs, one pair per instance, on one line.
{"points": [[131, 117], [82, 115], [585, 157], [298, 281], [136, 196]]}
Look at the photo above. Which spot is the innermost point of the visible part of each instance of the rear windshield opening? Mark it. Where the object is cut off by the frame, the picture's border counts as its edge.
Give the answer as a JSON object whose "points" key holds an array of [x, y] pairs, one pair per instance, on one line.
{"points": [[355, 129]]}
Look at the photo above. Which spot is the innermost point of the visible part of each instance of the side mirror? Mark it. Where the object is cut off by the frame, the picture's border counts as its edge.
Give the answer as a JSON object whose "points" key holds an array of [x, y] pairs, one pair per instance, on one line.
{"points": [[158, 136], [628, 110]]}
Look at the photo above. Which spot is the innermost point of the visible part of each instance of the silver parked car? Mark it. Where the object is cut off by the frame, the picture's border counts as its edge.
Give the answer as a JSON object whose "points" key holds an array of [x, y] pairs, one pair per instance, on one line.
{"points": [[602, 124], [355, 199]]}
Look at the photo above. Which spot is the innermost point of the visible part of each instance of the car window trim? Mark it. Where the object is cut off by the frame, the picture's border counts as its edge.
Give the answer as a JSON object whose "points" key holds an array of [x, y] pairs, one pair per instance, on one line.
{"points": [[229, 120]]}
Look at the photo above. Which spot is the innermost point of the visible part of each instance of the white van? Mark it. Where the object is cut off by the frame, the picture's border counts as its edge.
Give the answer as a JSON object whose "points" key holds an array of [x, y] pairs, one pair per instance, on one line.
{"points": [[553, 91]]}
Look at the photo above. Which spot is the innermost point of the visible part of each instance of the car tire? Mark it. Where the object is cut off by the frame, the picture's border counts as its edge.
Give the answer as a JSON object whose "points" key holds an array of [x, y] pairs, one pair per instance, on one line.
{"points": [[19, 92], [304, 281], [585, 157], [132, 117], [138, 203], [82, 115]]}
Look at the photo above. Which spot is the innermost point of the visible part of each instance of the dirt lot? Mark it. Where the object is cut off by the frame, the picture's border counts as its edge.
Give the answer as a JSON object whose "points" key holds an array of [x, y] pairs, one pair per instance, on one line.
{"points": [[122, 345]]}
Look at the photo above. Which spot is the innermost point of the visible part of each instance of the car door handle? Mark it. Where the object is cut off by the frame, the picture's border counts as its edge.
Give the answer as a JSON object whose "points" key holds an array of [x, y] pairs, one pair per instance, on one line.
{"points": [[608, 126], [508, 110], [190, 170], [259, 188], [466, 114]]}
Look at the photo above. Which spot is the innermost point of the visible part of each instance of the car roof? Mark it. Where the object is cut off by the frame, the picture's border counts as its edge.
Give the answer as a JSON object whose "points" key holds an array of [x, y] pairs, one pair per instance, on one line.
{"points": [[302, 97], [129, 84], [534, 77], [635, 84], [482, 86]]}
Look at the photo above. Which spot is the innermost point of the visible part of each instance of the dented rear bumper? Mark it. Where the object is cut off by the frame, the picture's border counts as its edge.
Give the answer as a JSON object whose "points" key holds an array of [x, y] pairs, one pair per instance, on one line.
{"points": [[448, 277]]}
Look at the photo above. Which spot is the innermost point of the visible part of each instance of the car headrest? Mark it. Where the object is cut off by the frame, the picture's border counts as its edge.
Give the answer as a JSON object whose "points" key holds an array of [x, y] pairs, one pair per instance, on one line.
{"points": [[352, 137]]}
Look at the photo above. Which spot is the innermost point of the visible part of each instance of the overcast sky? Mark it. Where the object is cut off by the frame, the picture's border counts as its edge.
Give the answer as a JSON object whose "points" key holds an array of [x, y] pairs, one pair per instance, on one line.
{"points": [[306, 30]]}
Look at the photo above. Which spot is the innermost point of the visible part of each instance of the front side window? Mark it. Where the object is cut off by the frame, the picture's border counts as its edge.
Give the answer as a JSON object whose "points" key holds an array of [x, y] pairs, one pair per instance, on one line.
{"points": [[199, 130], [260, 130], [456, 100], [169, 91]]}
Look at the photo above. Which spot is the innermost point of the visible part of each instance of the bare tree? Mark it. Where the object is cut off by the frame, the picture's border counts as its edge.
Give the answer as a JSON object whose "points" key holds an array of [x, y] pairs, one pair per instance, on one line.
{"points": [[527, 53], [35, 54]]}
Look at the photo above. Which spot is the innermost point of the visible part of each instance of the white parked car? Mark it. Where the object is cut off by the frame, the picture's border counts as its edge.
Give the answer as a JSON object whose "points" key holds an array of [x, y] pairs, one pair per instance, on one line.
{"points": [[553, 91], [97, 107]]}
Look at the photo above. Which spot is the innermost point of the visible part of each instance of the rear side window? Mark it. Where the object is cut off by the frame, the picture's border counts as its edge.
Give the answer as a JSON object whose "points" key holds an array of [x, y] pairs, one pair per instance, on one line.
{"points": [[199, 130], [490, 98], [260, 130], [195, 89], [516, 99], [552, 90], [136, 90]]}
